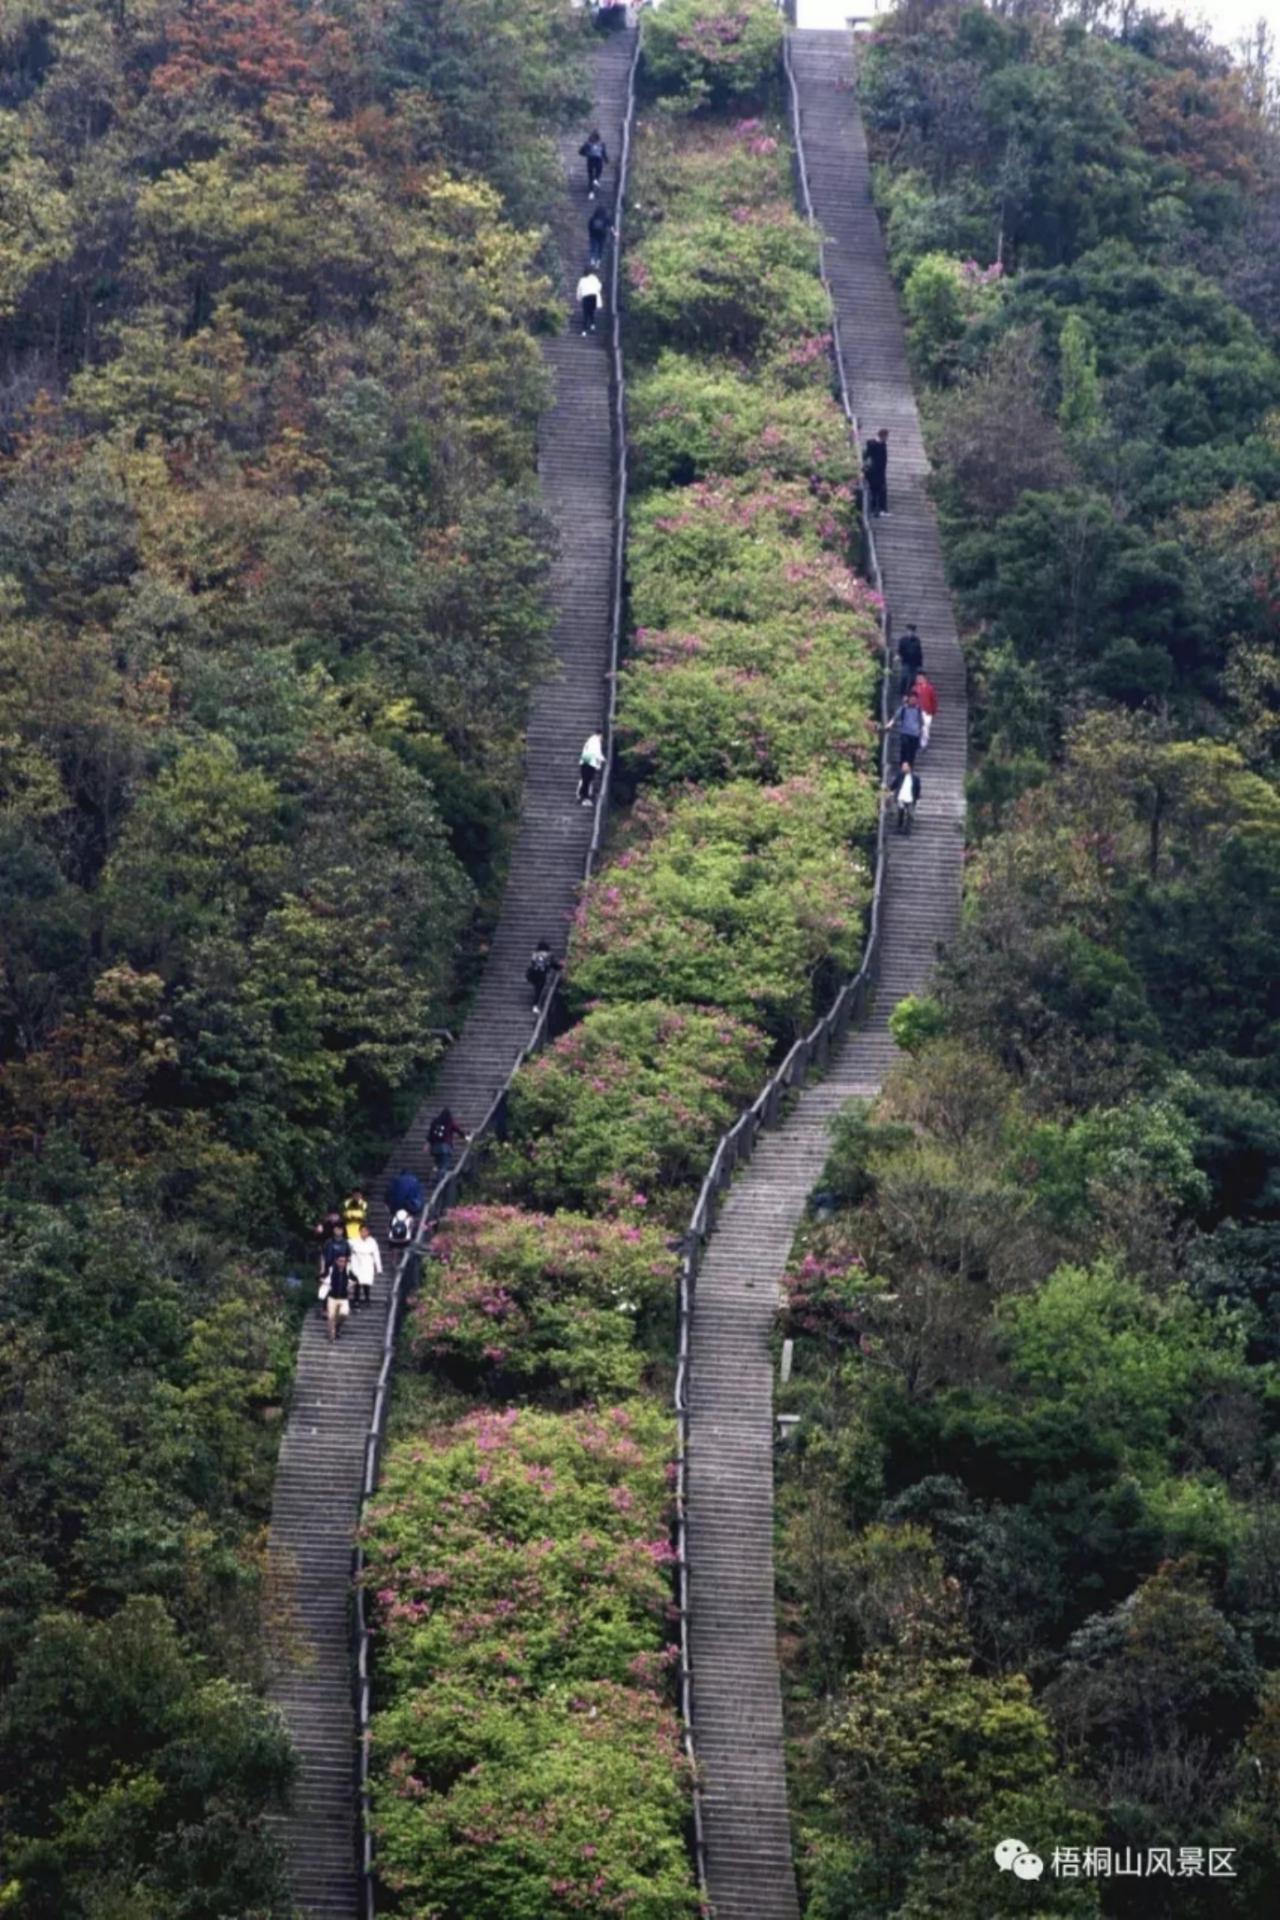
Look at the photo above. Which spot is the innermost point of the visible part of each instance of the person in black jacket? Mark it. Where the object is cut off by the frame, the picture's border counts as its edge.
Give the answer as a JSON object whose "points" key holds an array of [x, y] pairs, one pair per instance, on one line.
{"points": [[599, 227], [910, 657], [541, 970], [875, 465], [594, 151], [337, 1301]]}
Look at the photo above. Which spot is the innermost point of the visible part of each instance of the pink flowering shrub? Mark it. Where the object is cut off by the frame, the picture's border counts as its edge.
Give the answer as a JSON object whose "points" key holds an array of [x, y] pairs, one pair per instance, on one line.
{"points": [[572, 1803], [623, 1112], [526, 1756], [700, 53], [691, 418], [750, 547], [526, 1301], [748, 700], [719, 262], [732, 897]]}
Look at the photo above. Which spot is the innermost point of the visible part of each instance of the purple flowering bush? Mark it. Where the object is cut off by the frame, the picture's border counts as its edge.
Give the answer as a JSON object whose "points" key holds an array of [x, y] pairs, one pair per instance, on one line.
{"points": [[622, 1113], [700, 53], [527, 1763], [732, 897], [516, 1301]]}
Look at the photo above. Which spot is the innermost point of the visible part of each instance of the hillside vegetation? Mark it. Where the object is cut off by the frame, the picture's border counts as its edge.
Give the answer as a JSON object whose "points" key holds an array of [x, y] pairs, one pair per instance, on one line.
{"points": [[271, 600], [1031, 1525], [527, 1748]]}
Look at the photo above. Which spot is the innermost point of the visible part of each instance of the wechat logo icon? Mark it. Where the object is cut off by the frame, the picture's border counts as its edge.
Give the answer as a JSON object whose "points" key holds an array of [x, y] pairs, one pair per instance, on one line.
{"points": [[1014, 1855]]}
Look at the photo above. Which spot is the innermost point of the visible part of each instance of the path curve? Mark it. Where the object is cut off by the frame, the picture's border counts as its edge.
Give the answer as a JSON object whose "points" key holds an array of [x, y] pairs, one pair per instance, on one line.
{"points": [[736, 1692], [322, 1456]]}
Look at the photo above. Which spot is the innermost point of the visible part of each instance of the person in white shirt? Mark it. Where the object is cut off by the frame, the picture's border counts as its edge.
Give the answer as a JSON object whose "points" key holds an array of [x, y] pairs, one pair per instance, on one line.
{"points": [[589, 292], [906, 791], [365, 1263], [589, 767]]}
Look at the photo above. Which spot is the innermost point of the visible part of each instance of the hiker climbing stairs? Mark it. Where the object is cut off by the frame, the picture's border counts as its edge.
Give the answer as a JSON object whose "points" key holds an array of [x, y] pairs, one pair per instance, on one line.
{"points": [[736, 1692], [318, 1480]]}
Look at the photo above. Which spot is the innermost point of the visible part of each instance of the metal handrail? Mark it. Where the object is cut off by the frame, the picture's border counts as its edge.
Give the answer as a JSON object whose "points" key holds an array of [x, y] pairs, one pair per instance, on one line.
{"points": [[737, 1143], [445, 1192]]}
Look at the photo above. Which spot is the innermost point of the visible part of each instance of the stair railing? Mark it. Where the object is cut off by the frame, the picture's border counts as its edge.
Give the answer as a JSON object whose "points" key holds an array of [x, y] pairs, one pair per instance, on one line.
{"points": [[445, 1193]]}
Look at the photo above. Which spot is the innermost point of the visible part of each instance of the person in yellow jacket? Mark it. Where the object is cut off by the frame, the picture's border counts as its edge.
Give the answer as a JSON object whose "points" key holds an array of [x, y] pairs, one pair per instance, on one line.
{"points": [[355, 1211]]}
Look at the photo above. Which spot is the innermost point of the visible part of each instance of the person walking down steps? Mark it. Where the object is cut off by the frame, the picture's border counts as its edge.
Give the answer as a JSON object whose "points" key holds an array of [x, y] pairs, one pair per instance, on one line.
{"points": [[906, 791], [594, 151], [599, 228], [875, 465], [590, 767], [927, 694], [541, 970], [589, 295], [335, 1291], [910, 658], [364, 1264], [910, 724]]}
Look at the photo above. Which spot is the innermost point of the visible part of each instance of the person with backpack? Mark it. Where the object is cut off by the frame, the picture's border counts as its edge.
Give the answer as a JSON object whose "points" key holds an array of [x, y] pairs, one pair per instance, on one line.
{"points": [[590, 767], [441, 1136], [927, 694], [400, 1231], [594, 151], [541, 969], [910, 657], [599, 228], [910, 724], [906, 791], [875, 467], [335, 1291], [589, 292], [364, 1264]]}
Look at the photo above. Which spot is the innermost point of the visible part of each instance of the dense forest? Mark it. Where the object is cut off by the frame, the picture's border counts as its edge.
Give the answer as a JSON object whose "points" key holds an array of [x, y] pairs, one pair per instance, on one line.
{"points": [[271, 600], [1030, 1552]]}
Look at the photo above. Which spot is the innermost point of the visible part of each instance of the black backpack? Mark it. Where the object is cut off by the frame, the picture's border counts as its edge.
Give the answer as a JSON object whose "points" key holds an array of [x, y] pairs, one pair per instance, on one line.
{"points": [[437, 1132], [400, 1226]]}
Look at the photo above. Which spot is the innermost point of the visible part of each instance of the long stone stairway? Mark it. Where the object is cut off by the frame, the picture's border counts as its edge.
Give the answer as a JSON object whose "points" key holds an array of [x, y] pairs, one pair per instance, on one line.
{"points": [[737, 1705], [317, 1490]]}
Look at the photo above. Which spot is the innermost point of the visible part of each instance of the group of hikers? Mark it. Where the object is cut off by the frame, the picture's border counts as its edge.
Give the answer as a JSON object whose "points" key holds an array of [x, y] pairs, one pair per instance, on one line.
{"points": [[350, 1257], [917, 709], [600, 227]]}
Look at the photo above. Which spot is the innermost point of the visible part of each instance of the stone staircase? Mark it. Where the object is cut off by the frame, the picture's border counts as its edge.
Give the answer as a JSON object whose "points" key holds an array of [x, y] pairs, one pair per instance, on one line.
{"points": [[737, 1703], [317, 1489]]}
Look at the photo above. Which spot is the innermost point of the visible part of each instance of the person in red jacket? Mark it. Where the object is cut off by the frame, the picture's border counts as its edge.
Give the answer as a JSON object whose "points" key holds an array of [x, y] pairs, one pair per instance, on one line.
{"points": [[927, 694]]}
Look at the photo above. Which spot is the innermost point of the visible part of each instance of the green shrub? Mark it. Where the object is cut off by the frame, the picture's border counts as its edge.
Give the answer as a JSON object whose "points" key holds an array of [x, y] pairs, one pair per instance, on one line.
{"points": [[916, 1020], [527, 1763], [689, 418], [623, 1112], [568, 1805], [701, 53], [750, 548], [517, 1299], [943, 297], [750, 701], [733, 898], [562, 1515], [732, 280]]}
